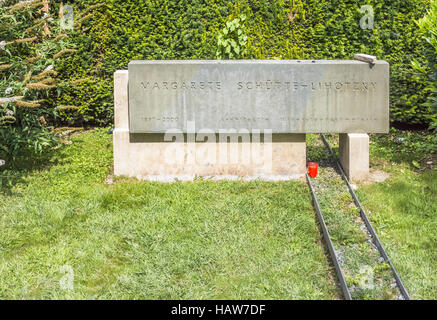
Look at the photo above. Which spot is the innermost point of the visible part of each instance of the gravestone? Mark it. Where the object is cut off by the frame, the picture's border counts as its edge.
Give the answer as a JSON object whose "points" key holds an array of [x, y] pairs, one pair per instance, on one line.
{"points": [[241, 119]]}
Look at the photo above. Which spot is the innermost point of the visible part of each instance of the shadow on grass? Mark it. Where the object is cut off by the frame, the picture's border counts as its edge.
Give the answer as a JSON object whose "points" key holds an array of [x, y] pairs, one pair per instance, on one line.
{"points": [[28, 162]]}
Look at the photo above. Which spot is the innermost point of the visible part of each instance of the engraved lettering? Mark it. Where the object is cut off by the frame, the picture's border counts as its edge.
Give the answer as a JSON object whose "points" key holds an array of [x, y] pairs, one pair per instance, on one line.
{"points": [[287, 84], [356, 86], [278, 84], [145, 85]]}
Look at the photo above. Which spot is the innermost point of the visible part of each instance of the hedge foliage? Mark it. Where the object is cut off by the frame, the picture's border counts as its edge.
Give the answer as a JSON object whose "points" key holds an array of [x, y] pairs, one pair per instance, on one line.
{"points": [[125, 30], [428, 28]]}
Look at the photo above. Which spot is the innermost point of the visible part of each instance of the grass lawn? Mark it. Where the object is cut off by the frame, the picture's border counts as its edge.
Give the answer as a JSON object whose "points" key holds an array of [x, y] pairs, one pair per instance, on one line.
{"points": [[64, 222], [142, 240], [403, 210]]}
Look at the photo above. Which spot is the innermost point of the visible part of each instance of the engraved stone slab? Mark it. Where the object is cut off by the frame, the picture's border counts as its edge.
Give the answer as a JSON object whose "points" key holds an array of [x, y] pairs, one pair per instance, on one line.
{"points": [[286, 96]]}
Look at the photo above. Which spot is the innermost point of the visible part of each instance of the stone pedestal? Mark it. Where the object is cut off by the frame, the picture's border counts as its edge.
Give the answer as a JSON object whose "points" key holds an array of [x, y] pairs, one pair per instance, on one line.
{"points": [[183, 156], [354, 155]]}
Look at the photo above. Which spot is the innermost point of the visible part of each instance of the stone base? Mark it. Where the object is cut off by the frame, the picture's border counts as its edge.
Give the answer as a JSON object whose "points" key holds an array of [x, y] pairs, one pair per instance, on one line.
{"points": [[246, 156], [149, 156], [354, 155]]}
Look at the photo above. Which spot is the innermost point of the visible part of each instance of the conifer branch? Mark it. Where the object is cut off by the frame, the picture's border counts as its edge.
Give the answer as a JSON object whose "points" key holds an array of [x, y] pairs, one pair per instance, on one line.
{"points": [[27, 77], [33, 59], [45, 73], [62, 52], [24, 40], [78, 81], [5, 66], [39, 86], [27, 104], [59, 37], [63, 108]]}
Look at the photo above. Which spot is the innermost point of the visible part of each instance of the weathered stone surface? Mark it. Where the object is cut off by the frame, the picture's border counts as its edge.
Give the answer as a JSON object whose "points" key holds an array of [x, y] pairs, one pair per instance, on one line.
{"points": [[284, 96], [153, 156], [354, 155], [121, 102]]}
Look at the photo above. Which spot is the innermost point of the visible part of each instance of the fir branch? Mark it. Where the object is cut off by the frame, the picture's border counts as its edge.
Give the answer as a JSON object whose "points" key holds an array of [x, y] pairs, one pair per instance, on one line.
{"points": [[45, 73], [37, 4], [5, 66], [27, 104], [62, 52], [38, 23], [59, 37], [78, 81], [33, 59], [48, 81], [24, 40], [63, 108], [89, 9], [19, 5], [39, 86], [43, 121], [27, 77], [23, 4], [79, 21]]}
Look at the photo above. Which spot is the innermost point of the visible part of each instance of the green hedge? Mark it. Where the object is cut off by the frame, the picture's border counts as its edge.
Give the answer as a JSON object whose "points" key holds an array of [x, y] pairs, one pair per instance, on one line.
{"points": [[124, 30]]}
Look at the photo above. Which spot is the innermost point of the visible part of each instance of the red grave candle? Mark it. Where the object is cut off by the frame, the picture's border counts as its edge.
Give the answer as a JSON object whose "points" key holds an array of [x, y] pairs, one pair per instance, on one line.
{"points": [[312, 169]]}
